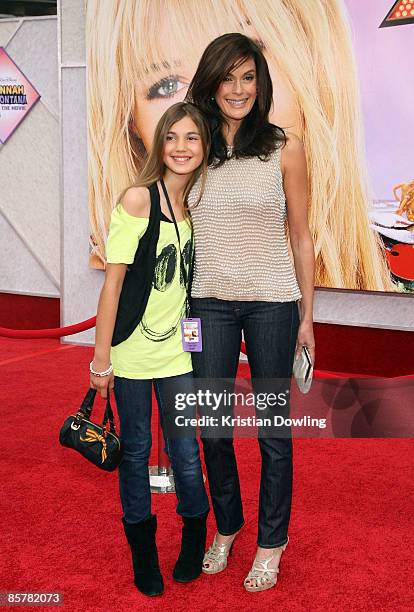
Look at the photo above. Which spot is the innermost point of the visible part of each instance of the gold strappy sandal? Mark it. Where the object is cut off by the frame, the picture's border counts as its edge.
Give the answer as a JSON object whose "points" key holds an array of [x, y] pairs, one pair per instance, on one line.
{"points": [[215, 559], [262, 577]]}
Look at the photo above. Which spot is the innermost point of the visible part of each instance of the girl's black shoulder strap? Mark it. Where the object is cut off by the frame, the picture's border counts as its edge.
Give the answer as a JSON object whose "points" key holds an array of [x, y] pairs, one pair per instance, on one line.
{"points": [[155, 200]]}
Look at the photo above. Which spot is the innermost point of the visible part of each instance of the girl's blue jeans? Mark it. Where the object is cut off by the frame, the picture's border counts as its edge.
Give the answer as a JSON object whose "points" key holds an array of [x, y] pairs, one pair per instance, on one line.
{"points": [[133, 399]]}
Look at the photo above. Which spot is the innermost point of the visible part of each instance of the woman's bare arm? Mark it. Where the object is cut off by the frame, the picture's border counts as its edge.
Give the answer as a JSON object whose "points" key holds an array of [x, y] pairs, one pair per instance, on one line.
{"points": [[295, 185]]}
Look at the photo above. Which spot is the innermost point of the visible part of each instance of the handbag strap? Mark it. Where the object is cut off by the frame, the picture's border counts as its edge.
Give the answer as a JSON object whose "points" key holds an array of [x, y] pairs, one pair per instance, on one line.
{"points": [[87, 404], [109, 416], [86, 407]]}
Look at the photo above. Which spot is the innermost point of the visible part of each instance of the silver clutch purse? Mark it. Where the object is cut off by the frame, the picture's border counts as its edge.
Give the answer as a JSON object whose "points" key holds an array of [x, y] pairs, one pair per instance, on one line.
{"points": [[303, 370]]}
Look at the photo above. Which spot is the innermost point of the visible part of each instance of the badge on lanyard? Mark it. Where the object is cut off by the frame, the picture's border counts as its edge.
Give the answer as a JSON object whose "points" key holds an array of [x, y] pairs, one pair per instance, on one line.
{"points": [[191, 335], [190, 327]]}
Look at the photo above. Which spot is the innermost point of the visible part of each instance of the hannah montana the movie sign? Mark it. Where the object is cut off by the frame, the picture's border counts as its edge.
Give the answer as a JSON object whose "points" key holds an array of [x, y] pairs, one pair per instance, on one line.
{"points": [[17, 96]]}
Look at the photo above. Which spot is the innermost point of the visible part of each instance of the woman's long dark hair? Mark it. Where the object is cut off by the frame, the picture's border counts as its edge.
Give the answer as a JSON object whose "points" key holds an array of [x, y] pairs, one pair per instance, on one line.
{"points": [[256, 135]]}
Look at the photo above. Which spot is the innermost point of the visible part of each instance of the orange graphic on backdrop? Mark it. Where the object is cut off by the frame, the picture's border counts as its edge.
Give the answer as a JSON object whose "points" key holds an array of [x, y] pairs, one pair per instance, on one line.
{"points": [[401, 13], [406, 199]]}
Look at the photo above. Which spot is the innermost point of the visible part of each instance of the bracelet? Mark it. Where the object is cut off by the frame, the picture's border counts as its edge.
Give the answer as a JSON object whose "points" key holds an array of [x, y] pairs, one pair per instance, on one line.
{"points": [[100, 374]]}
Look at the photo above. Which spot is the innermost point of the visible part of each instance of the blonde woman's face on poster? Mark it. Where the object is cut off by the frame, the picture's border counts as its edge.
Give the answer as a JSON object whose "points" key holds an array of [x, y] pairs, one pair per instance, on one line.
{"points": [[155, 95]]}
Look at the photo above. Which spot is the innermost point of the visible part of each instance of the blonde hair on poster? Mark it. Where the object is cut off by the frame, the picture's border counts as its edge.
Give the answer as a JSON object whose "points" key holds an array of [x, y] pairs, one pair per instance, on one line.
{"points": [[310, 42]]}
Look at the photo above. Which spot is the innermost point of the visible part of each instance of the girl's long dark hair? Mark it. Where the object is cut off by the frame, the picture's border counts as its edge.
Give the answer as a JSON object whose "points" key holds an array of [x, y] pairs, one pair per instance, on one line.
{"points": [[154, 167], [256, 135]]}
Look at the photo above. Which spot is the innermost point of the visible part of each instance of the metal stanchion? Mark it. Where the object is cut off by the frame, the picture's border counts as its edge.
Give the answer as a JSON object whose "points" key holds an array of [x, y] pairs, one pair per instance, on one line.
{"points": [[161, 475]]}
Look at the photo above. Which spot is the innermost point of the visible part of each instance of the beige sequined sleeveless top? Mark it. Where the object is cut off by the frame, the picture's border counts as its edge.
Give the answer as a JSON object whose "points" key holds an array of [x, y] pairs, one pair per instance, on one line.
{"points": [[241, 250]]}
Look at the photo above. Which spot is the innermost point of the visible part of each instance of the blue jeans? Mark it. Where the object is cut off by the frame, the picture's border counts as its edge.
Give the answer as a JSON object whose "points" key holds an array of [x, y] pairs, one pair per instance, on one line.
{"points": [[133, 398], [270, 333]]}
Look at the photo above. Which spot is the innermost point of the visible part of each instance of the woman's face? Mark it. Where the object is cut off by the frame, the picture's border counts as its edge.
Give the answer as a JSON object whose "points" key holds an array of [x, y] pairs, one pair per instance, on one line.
{"points": [[237, 92], [170, 86]]}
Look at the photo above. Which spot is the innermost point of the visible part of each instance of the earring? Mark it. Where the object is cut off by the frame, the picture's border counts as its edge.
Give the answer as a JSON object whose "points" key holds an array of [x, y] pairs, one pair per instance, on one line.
{"points": [[212, 98]]}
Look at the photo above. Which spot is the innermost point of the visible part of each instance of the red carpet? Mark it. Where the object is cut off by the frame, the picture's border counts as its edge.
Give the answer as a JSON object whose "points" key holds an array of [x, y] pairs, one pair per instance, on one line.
{"points": [[351, 545]]}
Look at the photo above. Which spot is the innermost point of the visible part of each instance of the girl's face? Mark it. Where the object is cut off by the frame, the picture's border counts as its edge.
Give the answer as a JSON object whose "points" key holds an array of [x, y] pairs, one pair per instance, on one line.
{"points": [[170, 85], [237, 92], [183, 148]]}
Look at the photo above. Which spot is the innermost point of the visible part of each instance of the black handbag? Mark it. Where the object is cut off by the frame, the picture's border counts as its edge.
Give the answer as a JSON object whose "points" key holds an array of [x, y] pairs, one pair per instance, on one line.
{"points": [[100, 446]]}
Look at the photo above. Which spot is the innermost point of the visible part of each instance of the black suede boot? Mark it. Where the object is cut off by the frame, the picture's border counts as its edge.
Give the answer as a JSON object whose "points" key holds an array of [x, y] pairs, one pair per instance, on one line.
{"points": [[193, 545], [141, 539]]}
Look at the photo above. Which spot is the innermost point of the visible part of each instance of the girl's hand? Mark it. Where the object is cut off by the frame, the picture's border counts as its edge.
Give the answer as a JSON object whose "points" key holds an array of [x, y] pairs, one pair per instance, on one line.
{"points": [[102, 383], [306, 338]]}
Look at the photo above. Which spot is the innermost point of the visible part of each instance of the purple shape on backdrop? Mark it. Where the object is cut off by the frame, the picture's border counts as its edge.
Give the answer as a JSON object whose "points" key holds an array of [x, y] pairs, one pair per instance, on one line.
{"points": [[14, 105]]}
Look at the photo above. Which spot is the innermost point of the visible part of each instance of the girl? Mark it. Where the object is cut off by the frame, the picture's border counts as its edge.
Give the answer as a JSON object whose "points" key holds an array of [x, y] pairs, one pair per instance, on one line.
{"points": [[140, 309], [244, 279]]}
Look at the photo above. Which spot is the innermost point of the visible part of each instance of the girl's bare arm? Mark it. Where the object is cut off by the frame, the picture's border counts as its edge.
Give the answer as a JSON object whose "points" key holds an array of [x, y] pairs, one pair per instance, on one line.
{"points": [[105, 323]]}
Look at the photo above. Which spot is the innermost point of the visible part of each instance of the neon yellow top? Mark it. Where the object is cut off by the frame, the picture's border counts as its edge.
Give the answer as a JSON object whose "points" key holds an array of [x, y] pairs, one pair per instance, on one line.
{"points": [[154, 349]]}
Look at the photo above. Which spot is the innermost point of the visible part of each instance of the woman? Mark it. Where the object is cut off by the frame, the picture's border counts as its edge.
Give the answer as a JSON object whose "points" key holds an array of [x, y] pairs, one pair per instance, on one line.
{"points": [[142, 303], [244, 279], [142, 56]]}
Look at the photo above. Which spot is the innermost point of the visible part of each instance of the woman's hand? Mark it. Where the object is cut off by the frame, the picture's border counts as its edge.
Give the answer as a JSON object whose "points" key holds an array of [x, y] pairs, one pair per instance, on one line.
{"points": [[306, 338]]}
